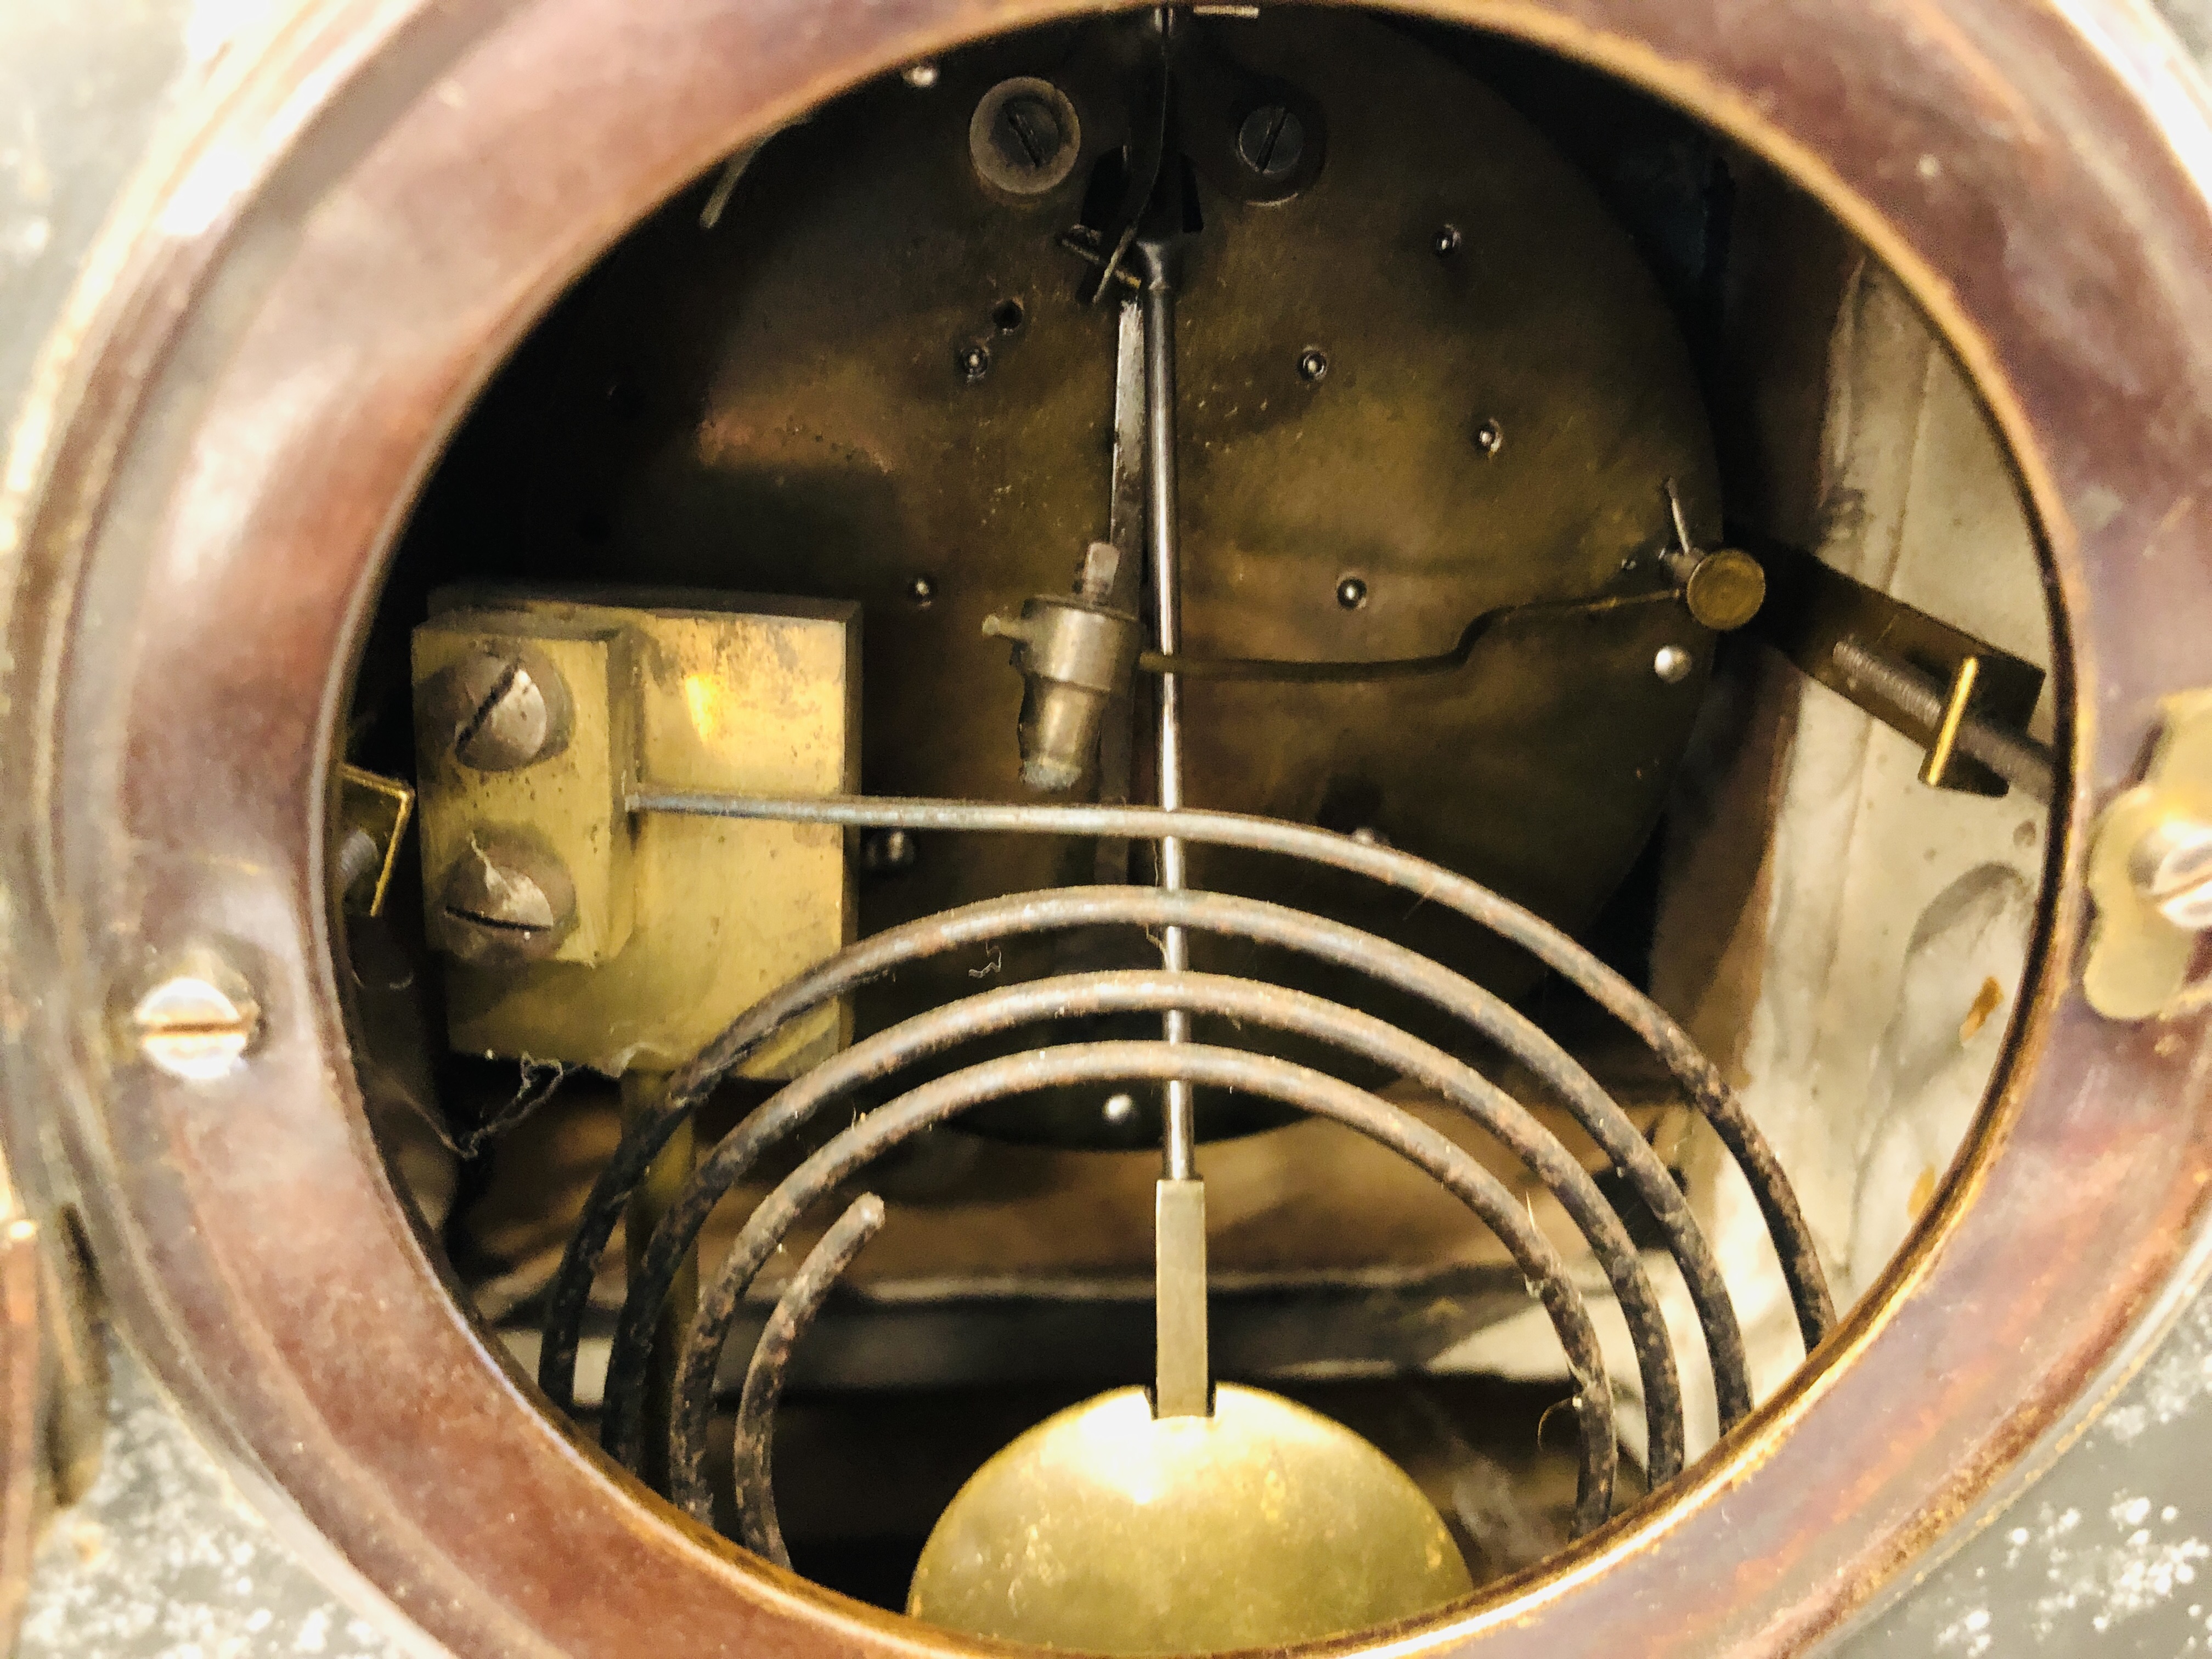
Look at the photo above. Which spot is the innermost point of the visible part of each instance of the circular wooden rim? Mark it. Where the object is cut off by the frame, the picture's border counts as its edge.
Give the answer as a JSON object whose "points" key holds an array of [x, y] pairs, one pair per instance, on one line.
{"points": [[374, 210]]}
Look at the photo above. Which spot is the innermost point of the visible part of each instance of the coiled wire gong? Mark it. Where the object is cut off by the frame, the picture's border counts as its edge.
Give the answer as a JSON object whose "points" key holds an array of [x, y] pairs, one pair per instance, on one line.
{"points": [[1040, 1003]]}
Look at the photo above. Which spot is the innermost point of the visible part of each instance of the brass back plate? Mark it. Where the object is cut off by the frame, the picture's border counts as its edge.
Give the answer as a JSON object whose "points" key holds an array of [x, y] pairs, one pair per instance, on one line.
{"points": [[778, 403]]}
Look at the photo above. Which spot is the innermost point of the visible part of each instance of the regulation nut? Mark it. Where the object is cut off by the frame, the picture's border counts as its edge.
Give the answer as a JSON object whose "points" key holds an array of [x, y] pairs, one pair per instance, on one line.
{"points": [[884, 852], [1075, 656], [1724, 589]]}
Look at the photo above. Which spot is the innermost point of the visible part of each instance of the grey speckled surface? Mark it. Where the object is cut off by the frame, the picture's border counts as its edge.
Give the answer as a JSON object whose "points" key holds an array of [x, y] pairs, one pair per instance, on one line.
{"points": [[2110, 1553], [161, 1560]]}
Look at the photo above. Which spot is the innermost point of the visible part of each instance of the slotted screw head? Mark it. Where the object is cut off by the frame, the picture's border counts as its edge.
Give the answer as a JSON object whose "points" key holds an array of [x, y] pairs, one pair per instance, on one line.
{"points": [[1025, 137], [505, 901], [2172, 868], [501, 710], [1028, 133], [197, 1023], [1271, 142]]}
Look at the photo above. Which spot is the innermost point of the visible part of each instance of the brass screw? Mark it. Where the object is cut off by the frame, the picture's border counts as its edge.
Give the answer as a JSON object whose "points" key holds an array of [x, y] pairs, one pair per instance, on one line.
{"points": [[506, 900], [2173, 869], [499, 711], [197, 1024]]}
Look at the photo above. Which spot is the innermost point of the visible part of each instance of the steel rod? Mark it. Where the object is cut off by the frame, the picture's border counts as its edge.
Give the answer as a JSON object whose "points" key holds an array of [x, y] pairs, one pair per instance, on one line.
{"points": [[1182, 1375], [1180, 1159]]}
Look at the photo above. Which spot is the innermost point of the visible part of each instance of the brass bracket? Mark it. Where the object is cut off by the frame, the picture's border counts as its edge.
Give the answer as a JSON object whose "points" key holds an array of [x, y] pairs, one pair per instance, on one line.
{"points": [[574, 930], [373, 814], [1812, 609], [1958, 701], [2150, 874]]}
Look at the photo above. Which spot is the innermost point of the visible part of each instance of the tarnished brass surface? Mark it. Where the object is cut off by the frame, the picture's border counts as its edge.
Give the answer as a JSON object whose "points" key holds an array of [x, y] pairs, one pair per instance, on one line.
{"points": [[1109, 1530], [1935, 769], [1181, 1376], [378, 807], [1724, 589], [679, 927], [2139, 960], [779, 404]]}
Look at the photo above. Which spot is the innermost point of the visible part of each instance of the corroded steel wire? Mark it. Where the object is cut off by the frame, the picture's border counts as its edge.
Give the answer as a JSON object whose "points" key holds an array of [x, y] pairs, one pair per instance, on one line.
{"points": [[944, 1098], [1700, 1078], [801, 1299], [1084, 995], [1381, 959]]}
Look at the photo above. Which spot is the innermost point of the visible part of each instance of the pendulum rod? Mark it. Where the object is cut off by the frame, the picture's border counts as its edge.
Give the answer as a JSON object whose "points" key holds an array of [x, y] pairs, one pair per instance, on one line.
{"points": [[1167, 626], [1181, 1385]]}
